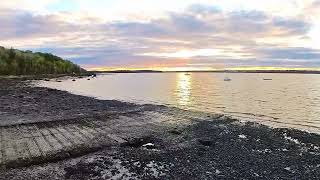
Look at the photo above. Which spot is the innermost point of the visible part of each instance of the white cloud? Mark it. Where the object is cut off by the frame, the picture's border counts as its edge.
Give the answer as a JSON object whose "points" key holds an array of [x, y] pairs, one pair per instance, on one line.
{"points": [[144, 32], [38, 6]]}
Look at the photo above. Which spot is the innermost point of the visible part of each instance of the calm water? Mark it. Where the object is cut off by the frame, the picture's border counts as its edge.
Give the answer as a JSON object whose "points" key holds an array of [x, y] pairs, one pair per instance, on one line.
{"points": [[288, 100]]}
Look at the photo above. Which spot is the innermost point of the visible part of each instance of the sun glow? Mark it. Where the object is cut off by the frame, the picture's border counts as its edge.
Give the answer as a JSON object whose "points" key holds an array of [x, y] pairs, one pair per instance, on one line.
{"points": [[153, 68], [231, 52], [193, 69], [314, 36], [185, 53]]}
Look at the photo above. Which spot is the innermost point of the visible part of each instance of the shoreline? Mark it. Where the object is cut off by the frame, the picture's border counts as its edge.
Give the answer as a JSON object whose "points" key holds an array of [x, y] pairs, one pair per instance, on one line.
{"points": [[107, 138], [265, 119], [216, 71]]}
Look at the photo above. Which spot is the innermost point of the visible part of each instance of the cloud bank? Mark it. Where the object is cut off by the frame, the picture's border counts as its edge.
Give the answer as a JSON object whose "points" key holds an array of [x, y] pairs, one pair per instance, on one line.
{"points": [[200, 35]]}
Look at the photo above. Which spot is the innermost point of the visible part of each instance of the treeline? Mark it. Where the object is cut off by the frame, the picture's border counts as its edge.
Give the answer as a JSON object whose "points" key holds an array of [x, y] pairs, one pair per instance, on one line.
{"points": [[17, 62]]}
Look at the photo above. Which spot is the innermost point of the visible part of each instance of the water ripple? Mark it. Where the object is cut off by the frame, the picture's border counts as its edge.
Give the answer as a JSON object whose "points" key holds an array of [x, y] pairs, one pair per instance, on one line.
{"points": [[287, 100]]}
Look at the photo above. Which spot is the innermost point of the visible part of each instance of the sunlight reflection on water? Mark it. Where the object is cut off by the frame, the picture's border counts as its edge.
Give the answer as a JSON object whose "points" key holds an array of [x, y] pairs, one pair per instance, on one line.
{"points": [[288, 100], [183, 88]]}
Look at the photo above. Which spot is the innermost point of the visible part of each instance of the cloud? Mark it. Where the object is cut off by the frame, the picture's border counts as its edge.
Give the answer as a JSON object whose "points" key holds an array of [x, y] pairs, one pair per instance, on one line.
{"points": [[201, 34], [23, 24], [203, 9], [296, 53], [26, 4], [292, 26]]}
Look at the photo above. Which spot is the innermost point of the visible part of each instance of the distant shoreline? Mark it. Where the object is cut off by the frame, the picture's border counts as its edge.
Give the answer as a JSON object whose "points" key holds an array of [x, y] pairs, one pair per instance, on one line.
{"points": [[222, 71]]}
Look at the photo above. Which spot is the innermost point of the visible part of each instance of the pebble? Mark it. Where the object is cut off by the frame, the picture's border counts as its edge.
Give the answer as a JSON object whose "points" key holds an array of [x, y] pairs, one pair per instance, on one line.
{"points": [[148, 146], [242, 136]]}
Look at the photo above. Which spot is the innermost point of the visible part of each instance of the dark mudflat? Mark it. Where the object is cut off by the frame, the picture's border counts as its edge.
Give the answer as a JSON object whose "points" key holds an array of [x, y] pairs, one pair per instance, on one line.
{"points": [[110, 139]]}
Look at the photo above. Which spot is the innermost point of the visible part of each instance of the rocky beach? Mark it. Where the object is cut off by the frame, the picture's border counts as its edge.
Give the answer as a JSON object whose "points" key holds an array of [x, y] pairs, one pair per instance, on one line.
{"points": [[51, 134]]}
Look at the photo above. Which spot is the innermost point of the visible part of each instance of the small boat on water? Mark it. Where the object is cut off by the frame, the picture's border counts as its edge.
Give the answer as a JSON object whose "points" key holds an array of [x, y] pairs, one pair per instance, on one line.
{"points": [[227, 79], [267, 79]]}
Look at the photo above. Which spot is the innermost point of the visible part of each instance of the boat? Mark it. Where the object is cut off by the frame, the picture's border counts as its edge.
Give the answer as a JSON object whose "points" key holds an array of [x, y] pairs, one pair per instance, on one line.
{"points": [[227, 79], [187, 74], [267, 79]]}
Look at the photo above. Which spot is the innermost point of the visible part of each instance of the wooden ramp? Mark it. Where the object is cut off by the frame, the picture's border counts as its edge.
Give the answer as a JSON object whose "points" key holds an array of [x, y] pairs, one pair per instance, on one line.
{"points": [[34, 143], [41, 142]]}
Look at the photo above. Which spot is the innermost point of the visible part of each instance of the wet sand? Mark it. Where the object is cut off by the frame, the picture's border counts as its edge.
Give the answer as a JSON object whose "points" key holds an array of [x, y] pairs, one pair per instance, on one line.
{"points": [[51, 134]]}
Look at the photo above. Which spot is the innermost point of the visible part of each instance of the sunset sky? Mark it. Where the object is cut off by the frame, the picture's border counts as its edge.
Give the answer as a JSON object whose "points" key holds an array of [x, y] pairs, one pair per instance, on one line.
{"points": [[167, 34]]}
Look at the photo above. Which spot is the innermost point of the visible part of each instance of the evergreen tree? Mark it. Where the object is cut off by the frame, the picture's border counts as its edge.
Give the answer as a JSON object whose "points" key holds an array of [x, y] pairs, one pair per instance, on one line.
{"points": [[16, 62]]}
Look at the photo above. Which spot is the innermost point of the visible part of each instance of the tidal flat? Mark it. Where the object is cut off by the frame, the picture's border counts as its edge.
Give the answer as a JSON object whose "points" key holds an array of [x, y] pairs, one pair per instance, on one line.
{"points": [[52, 134]]}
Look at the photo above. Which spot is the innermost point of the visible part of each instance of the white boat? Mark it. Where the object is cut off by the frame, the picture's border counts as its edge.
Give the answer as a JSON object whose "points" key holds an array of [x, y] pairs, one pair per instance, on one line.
{"points": [[187, 74], [227, 79]]}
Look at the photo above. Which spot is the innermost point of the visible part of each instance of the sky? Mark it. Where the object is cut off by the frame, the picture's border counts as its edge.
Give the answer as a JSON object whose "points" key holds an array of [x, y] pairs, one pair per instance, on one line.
{"points": [[167, 34]]}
